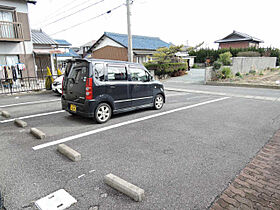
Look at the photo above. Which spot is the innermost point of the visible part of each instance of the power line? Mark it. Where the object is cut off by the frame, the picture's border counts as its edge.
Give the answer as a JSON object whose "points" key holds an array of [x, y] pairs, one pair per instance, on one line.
{"points": [[53, 13], [65, 5], [72, 13], [63, 12], [73, 26]]}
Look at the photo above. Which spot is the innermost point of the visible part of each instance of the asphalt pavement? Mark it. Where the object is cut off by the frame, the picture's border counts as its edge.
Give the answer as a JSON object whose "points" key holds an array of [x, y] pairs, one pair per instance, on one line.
{"points": [[183, 158]]}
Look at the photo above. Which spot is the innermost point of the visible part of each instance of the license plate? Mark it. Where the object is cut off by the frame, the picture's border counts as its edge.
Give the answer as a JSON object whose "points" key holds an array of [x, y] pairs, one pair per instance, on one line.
{"points": [[73, 108]]}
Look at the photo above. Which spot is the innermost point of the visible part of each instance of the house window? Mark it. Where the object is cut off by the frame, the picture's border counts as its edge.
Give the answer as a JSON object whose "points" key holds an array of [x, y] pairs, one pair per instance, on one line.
{"points": [[9, 60], [6, 15], [6, 24]]}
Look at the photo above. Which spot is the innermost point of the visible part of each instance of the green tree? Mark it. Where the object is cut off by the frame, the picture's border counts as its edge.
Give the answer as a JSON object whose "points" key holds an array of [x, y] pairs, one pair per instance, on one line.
{"points": [[189, 49], [167, 55], [225, 58]]}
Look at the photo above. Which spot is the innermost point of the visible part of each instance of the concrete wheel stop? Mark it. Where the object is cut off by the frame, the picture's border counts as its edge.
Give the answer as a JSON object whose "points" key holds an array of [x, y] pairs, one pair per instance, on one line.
{"points": [[37, 133], [125, 187]]}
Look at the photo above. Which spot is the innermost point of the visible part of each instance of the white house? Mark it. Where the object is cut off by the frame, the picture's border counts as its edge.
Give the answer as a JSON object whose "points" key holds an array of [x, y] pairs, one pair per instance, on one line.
{"points": [[15, 35]]}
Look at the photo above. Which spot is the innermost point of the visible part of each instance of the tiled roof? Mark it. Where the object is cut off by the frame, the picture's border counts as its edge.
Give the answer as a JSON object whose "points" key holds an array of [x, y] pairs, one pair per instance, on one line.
{"points": [[62, 42], [71, 53], [138, 42], [39, 37], [237, 36]]}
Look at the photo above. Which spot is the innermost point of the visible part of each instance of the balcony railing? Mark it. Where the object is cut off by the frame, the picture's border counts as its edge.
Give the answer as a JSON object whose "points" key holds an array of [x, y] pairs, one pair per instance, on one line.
{"points": [[11, 31]]}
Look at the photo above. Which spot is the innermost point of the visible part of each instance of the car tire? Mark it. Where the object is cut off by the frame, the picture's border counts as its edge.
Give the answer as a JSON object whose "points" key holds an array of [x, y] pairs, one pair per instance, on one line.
{"points": [[158, 102], [73, 114], [103, 113]]}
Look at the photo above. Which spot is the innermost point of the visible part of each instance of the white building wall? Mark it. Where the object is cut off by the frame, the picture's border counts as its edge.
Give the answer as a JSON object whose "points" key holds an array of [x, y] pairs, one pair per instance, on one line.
{"points": [[21, 6], [107, 42], [10, 48], [14, 48]]}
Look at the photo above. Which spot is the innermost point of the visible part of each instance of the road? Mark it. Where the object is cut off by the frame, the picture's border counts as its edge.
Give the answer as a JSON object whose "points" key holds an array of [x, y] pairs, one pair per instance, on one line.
{"points": [[183, 156]]}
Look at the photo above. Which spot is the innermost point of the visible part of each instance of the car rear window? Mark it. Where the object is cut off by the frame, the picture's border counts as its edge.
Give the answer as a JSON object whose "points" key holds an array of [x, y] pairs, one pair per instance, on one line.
{"points": [[99, 71], [78, 73]]}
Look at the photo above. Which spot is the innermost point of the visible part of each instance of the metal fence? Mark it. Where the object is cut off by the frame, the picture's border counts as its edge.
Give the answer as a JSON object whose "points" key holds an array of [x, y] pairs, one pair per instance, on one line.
{"points": [[26, 84]]}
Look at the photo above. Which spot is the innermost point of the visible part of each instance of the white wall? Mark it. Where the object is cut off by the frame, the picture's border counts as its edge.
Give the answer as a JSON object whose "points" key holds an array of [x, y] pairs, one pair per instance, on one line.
{"points": [[107, 42], [245, 64], [13, 48], [10, 48], [21, 6]]}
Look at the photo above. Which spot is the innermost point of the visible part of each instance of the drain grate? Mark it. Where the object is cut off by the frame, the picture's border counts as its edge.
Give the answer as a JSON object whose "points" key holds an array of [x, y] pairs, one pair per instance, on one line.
{"points": [[58, 200]]}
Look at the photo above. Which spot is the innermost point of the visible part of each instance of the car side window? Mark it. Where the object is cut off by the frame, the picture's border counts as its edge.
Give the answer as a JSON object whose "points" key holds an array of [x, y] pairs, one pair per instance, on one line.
{"points": [[99, 71], [138, 74], [116, 73]]}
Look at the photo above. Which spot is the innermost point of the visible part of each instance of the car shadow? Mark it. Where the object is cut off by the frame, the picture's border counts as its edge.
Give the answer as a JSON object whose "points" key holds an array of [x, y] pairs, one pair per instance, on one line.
{"points": [[90, 121]]}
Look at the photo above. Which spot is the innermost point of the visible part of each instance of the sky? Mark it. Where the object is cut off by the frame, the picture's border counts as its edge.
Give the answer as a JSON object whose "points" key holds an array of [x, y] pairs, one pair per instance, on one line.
{"points": [[187, 22]]}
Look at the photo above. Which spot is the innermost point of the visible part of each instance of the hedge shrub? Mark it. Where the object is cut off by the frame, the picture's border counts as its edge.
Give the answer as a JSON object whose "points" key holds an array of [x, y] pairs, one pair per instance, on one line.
{"points": [[217, 65], [167, 68], [213, 55], [248, 54], [224, 73], [225, 58]]}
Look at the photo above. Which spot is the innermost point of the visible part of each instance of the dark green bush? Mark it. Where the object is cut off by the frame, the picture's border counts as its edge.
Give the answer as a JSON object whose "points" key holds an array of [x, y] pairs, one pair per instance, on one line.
{"points": [[224, 73], [167, 68], [225, 58], [248, 54], [213, 55], [252, 72], [238, 74], [195, 66], [217, 65]]}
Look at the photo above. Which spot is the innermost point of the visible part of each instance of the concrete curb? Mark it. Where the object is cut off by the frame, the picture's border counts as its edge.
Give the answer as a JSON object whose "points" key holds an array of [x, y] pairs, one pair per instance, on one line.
{"points": [[125, 187], [69, 152], [6, 114], [37, 133], [29, 92], [242, 85], [20, 123]]}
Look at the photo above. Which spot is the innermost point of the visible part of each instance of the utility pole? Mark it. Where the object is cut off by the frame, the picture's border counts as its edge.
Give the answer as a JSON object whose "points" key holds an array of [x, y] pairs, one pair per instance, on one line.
{"points": [[129, 47]]}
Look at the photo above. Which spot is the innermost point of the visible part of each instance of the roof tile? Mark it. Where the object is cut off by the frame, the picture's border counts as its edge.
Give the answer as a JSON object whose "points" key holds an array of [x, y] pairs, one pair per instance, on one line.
{"points": [[40, 37], [138, 42]]}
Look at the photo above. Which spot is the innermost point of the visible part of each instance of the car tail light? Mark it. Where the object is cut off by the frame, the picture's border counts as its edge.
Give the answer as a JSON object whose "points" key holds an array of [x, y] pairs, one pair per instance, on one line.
{"points": [[89, 89]]}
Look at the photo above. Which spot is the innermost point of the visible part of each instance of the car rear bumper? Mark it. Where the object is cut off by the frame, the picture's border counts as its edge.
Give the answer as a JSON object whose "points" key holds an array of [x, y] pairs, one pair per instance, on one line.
{"points": [[57, 88], [85, 110]]}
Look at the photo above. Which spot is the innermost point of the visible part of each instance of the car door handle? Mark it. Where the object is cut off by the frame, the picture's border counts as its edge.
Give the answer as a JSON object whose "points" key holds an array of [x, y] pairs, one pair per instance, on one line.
{"points": [[112, 86]]}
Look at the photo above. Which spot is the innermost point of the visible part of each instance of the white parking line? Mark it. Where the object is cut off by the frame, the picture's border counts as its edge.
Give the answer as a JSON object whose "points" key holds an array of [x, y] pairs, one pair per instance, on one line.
{"points": [[32, 116], [30, 102], [265, 98], [70, 138], [176, 94]]}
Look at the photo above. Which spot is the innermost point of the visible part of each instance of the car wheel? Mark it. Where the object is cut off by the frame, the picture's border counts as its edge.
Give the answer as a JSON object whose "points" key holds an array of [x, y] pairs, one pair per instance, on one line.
{"points": [[103, 113], [72, 113], [158, 102]]}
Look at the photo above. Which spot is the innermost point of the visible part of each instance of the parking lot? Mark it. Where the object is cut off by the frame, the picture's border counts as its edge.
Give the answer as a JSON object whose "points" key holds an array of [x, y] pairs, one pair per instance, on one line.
{"points": [[183, 156]]}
